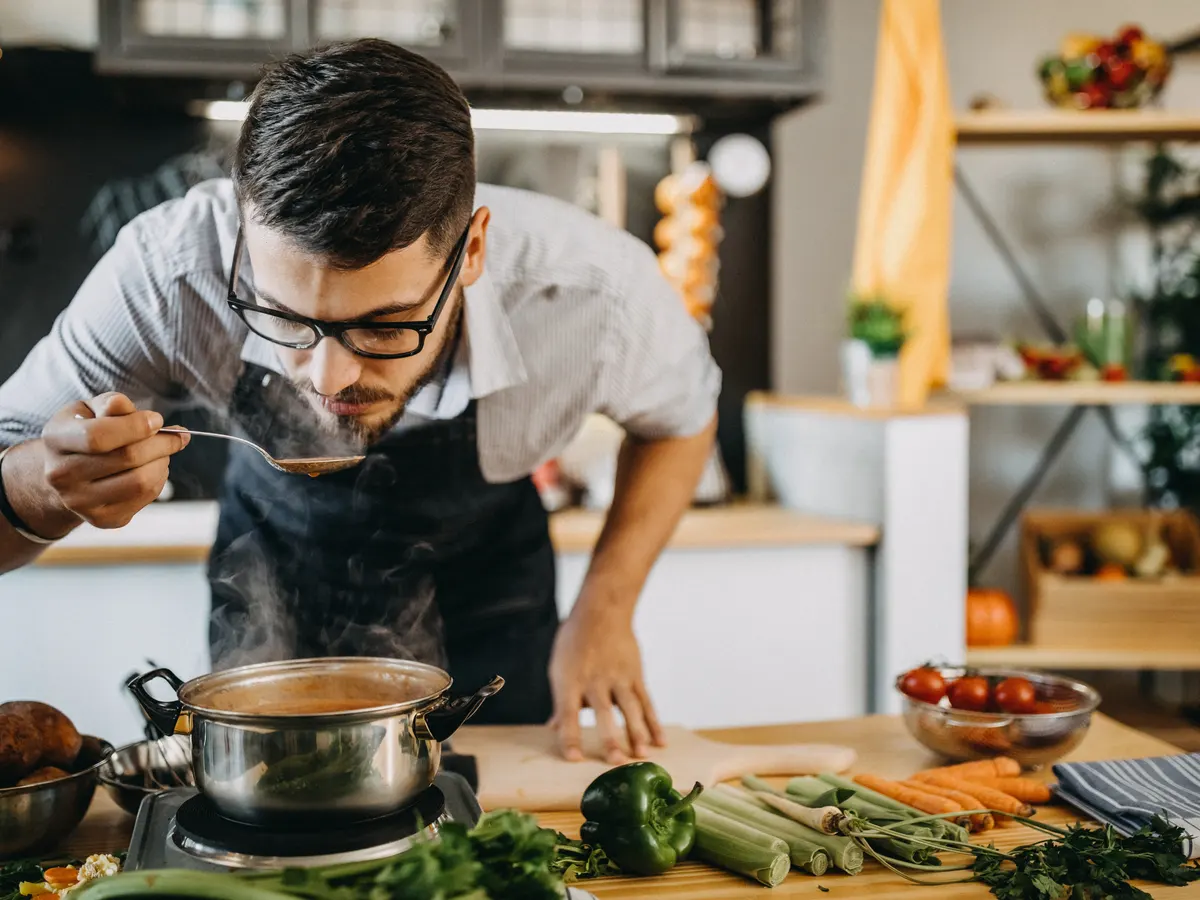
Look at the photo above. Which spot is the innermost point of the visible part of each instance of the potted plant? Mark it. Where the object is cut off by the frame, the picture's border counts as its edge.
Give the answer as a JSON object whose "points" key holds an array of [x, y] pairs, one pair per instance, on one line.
{"points": [[869, 357]]}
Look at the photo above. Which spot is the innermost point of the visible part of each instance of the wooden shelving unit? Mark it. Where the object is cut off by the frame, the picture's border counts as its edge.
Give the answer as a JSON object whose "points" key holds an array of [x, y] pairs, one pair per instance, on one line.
{"points": [[1082, 393], [1035, 656], [1069, 127]]}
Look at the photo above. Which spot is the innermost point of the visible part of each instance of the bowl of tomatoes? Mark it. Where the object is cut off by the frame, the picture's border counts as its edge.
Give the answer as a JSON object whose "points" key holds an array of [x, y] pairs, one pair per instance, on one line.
{"points": [[965, 713]]}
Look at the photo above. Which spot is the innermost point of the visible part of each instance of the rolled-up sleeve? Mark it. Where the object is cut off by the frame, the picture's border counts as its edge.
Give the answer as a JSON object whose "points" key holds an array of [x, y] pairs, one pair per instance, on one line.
{"points": [[663, 379], [113, 336]]}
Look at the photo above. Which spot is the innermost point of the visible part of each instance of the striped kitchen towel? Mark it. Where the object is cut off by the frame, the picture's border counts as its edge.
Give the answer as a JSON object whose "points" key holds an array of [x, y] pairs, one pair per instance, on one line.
{"points": [[1128, 793]]}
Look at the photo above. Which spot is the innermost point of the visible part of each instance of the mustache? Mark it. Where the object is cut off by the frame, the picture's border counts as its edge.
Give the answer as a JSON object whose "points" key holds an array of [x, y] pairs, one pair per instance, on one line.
{"points": [[356, 393]]}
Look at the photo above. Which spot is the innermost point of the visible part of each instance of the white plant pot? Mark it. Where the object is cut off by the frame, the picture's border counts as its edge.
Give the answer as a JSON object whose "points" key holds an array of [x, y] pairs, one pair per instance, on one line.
{"points": [[883, 381], [856, 368]]}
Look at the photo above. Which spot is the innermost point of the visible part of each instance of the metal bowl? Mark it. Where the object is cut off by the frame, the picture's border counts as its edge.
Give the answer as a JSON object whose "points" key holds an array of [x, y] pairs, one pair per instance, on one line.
{"points": [[1032, 740], [138, 770], [38, 816]]}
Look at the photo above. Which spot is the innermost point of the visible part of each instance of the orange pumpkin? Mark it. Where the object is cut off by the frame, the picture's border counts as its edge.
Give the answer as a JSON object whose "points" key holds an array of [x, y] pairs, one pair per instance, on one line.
{"points": [[991, 618], [1110, 572]]}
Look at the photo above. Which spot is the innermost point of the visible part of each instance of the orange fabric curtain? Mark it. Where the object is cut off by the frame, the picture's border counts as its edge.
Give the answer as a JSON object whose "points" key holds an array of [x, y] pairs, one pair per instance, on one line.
{"points": [[902, 251]]}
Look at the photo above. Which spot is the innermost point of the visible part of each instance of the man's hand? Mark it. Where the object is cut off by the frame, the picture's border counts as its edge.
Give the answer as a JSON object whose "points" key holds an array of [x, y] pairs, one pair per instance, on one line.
{"points": [[596, 663], [102, 462]]}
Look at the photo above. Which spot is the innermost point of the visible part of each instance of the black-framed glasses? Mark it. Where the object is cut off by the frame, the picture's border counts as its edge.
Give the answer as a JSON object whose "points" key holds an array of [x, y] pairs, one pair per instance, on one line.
{"points": [[373, 339]]}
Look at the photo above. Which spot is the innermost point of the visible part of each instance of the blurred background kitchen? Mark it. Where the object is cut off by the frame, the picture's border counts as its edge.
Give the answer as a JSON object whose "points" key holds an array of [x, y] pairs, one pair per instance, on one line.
{"points": [[934, 267]]}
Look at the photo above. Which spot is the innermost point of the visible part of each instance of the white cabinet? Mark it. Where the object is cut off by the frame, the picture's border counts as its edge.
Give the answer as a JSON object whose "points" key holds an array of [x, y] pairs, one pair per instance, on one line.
{"points": [[729, 636]]}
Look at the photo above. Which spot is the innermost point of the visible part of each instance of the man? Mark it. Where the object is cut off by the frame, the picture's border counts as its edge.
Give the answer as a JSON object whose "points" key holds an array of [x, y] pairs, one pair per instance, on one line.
{"points": [[351, 287]]}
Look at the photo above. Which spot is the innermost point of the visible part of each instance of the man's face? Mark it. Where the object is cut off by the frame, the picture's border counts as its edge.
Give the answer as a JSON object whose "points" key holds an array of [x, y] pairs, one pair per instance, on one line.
{"points": [[356, 393]]}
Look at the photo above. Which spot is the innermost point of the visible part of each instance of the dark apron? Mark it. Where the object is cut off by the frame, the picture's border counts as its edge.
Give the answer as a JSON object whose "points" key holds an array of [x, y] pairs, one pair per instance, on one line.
{"points": [[412, 554]]}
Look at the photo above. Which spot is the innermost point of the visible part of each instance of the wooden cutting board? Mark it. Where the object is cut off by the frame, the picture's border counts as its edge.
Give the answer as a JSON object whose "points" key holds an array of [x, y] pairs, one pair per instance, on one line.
{"points": [[520, 767]]}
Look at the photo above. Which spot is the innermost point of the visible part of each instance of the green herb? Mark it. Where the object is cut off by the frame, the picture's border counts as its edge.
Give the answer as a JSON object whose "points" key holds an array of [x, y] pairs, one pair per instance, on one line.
{"points": [[13, 873], [822, 889], [516, 855], [506, 856], [1089, 864], [574, 860]]}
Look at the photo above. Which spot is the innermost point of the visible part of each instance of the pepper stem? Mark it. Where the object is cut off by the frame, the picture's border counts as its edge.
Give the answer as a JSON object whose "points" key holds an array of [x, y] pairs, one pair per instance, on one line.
{"points": [[683, 802]]}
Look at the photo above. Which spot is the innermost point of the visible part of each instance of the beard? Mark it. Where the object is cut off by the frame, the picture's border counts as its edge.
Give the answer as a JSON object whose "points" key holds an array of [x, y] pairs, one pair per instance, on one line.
{"points": [[367, 431]]}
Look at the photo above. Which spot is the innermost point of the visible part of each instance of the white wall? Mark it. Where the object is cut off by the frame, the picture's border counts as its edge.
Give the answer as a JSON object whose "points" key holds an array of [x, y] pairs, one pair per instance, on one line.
{"points": [[71, 23], [1056, 205]]}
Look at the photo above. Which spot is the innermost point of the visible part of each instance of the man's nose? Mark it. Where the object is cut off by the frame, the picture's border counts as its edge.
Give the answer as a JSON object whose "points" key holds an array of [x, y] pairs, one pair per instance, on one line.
{"points": [[333, 368]]}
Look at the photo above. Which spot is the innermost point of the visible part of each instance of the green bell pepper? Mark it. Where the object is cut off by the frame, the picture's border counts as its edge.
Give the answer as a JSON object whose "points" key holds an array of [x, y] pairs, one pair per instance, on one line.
{"points": [[636, 817]]}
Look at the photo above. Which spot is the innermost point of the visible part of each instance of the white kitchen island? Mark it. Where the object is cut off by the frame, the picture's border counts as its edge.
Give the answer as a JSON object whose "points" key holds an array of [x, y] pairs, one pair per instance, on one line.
{"points": [[753, 615]]}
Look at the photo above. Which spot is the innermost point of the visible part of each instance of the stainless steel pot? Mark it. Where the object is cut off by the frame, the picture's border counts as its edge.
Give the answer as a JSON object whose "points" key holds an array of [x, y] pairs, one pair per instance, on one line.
{"points": [[325, 740]]}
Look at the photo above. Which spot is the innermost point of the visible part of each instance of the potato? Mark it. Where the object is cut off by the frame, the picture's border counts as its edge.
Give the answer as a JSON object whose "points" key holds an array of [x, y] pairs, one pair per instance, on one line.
{"points": [[46, 773], [60, 741], [20, 747]]}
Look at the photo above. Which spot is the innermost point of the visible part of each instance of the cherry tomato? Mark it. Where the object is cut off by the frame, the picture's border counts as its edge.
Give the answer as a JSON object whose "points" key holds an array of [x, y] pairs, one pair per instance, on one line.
{"points": [[1129, 34], [1094, 96], [1121, 73], [970, 693], [924, 684], [1016, 695]]}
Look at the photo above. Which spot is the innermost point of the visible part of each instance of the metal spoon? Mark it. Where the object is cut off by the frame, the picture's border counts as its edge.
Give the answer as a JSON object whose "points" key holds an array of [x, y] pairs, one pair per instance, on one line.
{"points": [[313, 466]]}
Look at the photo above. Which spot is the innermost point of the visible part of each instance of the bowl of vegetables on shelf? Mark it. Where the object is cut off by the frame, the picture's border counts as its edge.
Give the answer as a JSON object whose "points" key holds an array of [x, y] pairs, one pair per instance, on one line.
{"points": [[1124, 71], [967, 713]]}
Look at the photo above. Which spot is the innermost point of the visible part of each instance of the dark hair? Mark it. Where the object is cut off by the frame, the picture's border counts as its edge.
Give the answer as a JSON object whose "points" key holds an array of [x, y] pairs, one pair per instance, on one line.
{"points": [[357, 149]]}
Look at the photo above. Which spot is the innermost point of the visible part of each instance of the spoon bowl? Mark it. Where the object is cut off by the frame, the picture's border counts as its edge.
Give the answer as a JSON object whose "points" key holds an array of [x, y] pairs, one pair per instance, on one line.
{"points": [[311, 466]]}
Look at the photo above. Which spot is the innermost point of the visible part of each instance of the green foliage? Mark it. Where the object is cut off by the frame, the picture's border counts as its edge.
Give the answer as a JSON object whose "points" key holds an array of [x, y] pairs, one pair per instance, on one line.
{"points": [[1170, 317], [878, 324]]}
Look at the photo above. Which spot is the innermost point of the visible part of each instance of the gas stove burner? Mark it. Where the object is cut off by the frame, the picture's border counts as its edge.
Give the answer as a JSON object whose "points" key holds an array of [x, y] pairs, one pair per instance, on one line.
{"points": [[167, 837], [200, 831]]}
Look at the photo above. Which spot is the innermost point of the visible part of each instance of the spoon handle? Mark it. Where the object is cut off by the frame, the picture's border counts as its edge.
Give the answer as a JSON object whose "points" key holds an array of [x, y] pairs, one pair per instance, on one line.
{"points": [[175, 429]]}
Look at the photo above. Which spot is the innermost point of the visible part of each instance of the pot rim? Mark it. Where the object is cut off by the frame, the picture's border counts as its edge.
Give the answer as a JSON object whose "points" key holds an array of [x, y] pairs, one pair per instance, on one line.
{"points": [[420, 704]]}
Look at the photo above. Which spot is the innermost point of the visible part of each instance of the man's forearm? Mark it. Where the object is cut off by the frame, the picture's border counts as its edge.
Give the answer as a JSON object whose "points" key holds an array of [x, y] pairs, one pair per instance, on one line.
{"points": [[655, 484], [26, 491]]}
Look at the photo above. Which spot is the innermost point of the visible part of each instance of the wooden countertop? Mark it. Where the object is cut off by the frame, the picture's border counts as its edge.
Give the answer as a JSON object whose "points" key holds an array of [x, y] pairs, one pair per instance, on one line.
{"points": [[938, 405], [182, 532], [884, 747]]}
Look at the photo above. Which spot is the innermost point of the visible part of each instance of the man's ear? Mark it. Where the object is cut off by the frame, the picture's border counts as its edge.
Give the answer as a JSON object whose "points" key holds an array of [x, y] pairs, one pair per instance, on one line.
{"points": [[476, 251]]}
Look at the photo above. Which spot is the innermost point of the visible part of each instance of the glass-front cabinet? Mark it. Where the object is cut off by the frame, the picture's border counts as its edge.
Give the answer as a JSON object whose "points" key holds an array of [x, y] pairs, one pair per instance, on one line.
{"points": [[444, 30], [215, 37], [638, 46], [763, 38], [584, 35]]}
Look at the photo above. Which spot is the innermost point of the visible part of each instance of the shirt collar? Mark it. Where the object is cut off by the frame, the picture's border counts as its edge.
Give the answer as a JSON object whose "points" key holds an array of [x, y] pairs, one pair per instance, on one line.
{"points": [[494, 356], [488, 359]]}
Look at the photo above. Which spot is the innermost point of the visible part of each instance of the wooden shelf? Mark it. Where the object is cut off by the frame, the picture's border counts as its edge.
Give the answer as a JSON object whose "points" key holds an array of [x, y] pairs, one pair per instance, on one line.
{"points": [[1068, 127], [1035, 656], [723, 528], [183, 532], [1086, 393]]}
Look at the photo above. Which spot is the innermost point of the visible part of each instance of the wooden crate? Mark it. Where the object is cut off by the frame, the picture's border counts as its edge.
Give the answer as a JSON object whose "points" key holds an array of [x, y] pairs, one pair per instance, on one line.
{"points": [[1072, 611]]}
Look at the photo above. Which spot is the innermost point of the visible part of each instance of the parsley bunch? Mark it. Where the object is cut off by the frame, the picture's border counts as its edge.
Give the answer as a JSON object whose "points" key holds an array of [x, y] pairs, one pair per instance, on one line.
{"points": [[506, 856], [1089, 864]]}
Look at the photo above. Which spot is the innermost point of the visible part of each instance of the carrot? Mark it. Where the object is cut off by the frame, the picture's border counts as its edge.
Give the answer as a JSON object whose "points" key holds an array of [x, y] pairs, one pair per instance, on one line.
{"points": [[998, 767], [917, 799], [997, 800], [61, 875], [979, 821], [1025, 789]]}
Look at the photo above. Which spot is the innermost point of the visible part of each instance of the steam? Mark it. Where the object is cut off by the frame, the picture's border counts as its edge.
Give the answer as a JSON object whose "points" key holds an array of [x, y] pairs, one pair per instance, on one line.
{"points": [[271, 601], [276, 608], [251, 626]]}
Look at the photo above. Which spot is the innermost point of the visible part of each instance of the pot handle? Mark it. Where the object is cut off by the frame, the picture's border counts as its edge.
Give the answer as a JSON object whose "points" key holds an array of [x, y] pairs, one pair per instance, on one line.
{"points": [[439, 723], [164, 714]]}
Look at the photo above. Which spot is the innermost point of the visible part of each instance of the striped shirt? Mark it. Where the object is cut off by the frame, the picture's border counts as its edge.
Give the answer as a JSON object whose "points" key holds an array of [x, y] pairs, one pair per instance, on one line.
{"points": [[571, 317]]}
